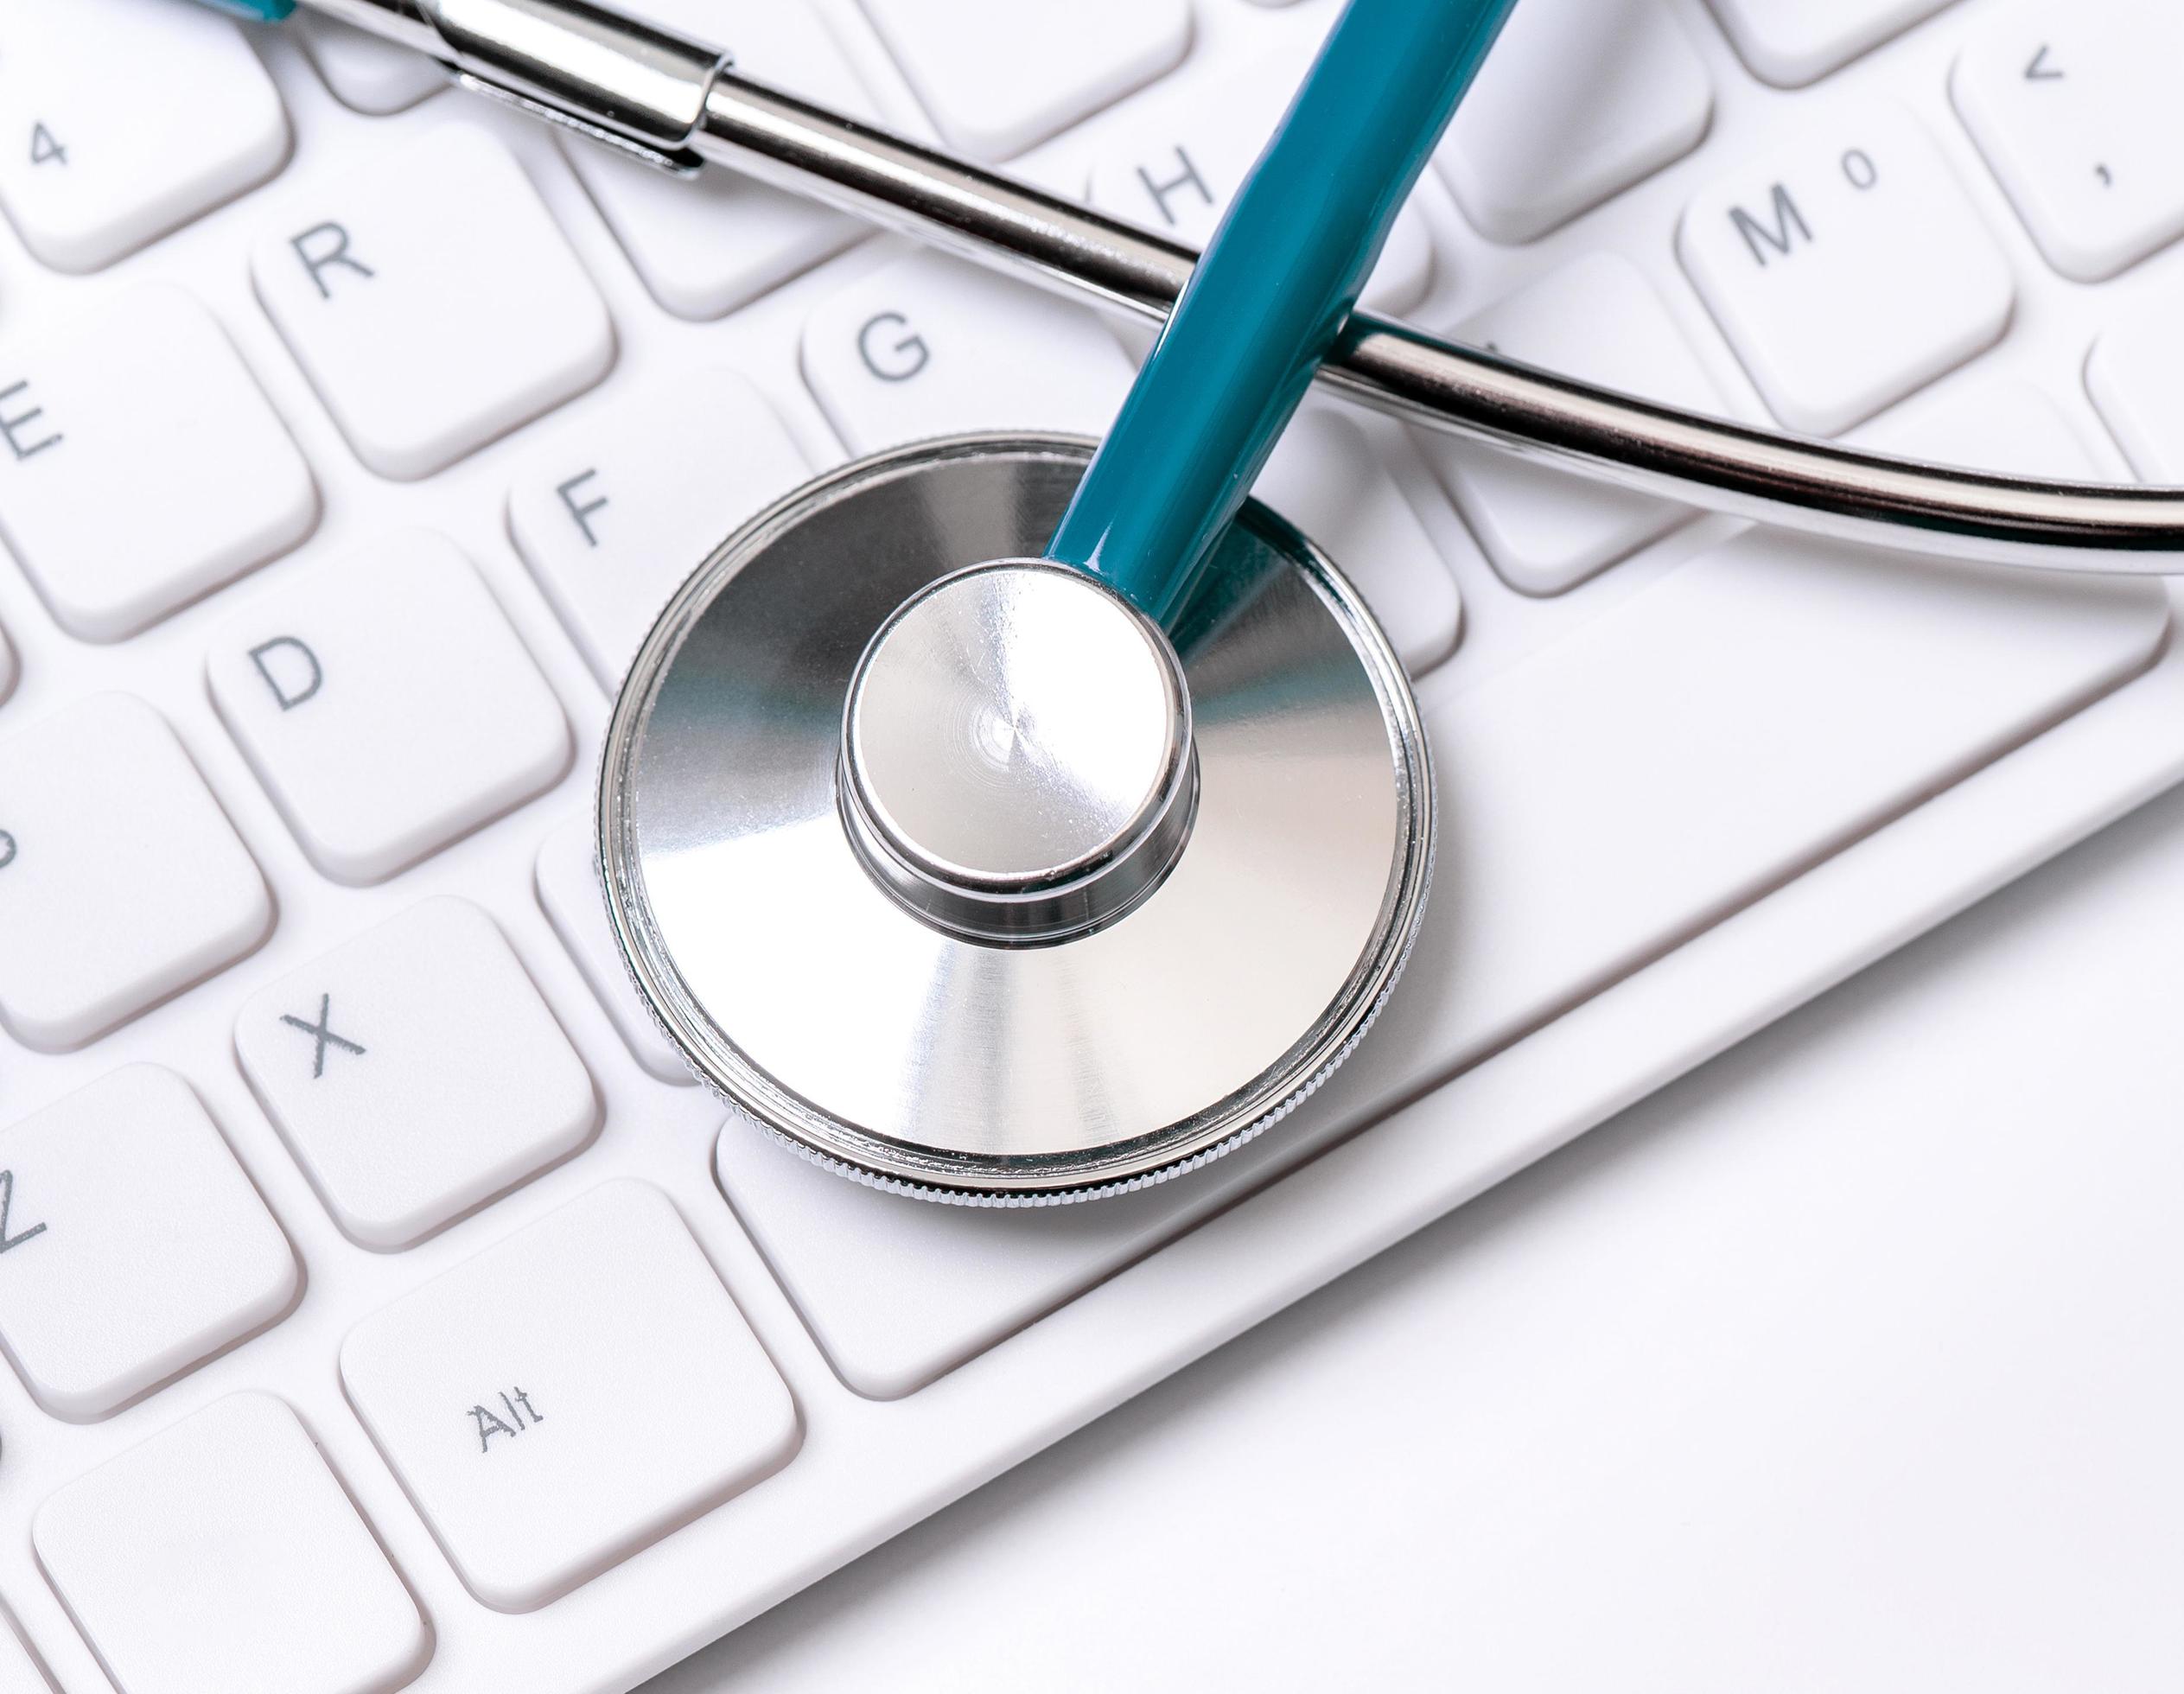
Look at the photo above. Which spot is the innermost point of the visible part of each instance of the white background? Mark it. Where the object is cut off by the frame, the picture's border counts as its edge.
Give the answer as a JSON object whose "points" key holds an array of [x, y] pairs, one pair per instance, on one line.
{"points": [[1853, 1361]]}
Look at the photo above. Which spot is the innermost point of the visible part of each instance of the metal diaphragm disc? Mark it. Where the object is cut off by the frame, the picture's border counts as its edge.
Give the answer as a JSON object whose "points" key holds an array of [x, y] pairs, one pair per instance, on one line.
{"points": [[880, 1041]]}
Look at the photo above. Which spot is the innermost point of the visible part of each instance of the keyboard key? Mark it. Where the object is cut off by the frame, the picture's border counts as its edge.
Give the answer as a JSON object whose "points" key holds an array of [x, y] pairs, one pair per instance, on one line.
{"points": [[930, 345], [387, 706], [2075, 108], [706, 244], [2135, 377], [143, 467], [1792, 42], [2004, 425], [1579, 99], [1592, 829], [432, 300], [1187, 146], [132, 1246], [1848, 271], [121, 879], [127, 118], [1599, 319], [416, 1073], [366, 72], [616, 508], [1325, 479], [222, 1556], [997, 75], [568, 1395], [569, 890]]}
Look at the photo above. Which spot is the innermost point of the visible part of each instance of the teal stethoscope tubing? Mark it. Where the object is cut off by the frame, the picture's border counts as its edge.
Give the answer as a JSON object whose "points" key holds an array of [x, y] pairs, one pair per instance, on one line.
{"points": [[1269, 294]]}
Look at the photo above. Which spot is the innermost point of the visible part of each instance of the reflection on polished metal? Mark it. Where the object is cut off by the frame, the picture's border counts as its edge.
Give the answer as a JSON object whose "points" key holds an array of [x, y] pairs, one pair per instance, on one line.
{"points": [[1017, 761], [883, 1044]]}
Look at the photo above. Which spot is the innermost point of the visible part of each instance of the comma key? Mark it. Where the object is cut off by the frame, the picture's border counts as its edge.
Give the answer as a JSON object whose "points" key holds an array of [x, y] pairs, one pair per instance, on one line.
{"points": [[2075, 108], [568, 1395]]}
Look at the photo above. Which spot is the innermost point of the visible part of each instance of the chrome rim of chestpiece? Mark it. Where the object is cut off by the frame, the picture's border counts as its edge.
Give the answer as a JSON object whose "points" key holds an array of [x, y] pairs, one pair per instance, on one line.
{"points": [[1215, 919]]}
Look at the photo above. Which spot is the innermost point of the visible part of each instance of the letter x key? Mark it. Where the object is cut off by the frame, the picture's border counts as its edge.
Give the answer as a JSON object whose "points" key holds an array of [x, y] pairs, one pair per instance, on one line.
{"points": [[322, 1033]]}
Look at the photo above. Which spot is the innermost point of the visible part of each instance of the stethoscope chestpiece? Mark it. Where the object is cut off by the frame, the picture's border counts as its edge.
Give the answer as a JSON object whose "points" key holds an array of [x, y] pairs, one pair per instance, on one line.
{"points": [[1017, 764], [971, 882]]}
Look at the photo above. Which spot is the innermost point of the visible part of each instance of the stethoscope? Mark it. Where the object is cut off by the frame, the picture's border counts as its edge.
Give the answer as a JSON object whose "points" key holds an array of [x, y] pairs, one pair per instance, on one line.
{"points": [[1004, 820]]}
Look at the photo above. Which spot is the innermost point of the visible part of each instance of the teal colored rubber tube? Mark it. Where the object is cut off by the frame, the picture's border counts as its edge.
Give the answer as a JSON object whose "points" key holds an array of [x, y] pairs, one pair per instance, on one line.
{"points": [[258, 12], [1269, 294]]}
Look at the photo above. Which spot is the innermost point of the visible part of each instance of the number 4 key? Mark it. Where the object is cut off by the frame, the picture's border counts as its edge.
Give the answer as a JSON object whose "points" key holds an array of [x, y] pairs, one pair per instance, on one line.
{"points": [[118, 148]]}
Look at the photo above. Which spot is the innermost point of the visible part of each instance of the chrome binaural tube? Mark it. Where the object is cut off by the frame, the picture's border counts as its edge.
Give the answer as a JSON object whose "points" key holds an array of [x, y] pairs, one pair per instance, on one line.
{"points": [[676, 103]]}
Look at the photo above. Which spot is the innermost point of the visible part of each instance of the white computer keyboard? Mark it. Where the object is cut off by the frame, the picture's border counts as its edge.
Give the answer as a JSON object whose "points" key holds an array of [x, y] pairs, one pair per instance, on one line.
{"points": [[383, 1307]]}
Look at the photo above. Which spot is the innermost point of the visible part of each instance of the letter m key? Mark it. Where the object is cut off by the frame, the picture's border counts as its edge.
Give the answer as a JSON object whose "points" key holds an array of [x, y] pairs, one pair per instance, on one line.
{"points": [[9, 1243], [1760, 235]]}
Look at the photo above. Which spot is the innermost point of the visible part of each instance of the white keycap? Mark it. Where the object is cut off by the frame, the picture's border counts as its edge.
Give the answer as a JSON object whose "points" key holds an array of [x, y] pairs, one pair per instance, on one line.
{"points": [[431, 299], [930, 345], [142, 465], [126, 117], [1592, 829], [569, 890], [1996, 424], [1185, 147], [568, 1395], [366, 72], [613, 510], [132, 1246], [2135, 377], [386, 705], [1847, 271], [17, 1674], [706, 244], [121, 879], [1791, 43], [1596, 318], [2075, 108], [997, 75], [1579, 99], [1325, 479], [222, 1556], [415, 1072]]}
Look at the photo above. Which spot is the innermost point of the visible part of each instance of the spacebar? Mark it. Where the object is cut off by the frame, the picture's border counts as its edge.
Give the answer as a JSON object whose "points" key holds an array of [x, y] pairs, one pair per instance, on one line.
{"points": [[1669, 763], [1655, 770]]}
